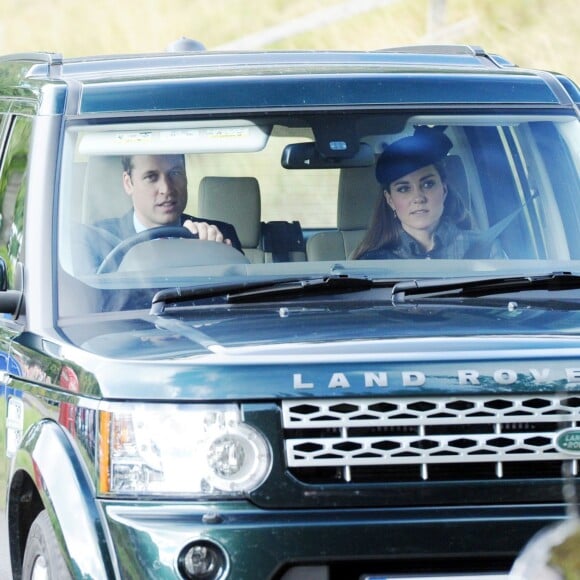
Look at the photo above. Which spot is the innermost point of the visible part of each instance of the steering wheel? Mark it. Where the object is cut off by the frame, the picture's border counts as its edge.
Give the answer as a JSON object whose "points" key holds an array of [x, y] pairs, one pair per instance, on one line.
{"points": [[114, 258]]}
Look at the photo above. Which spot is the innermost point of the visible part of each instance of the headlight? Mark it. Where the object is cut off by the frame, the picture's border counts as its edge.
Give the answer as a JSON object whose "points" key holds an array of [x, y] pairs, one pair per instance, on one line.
{"points": [[180, 449]]}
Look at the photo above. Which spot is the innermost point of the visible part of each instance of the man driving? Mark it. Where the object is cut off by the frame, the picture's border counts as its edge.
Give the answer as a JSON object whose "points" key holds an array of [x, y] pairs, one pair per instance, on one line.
{"points": [[157, 186]]}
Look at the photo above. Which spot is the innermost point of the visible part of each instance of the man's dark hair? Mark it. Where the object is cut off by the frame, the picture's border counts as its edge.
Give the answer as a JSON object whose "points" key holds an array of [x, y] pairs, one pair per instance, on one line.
{"points": [[127, 161]]}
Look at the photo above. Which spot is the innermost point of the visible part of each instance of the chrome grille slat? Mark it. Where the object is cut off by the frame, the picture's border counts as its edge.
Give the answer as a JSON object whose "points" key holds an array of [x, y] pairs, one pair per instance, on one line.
{"points": [[350, 433], [442, 452]]}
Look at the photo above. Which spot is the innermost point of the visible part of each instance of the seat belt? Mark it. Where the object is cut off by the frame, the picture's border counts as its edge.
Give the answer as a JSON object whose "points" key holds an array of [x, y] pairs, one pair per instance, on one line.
{"points": [[482, 245]]}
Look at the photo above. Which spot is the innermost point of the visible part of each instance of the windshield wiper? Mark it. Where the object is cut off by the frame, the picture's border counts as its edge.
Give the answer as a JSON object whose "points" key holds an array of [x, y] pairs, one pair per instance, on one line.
{"points": [[482, 286], [262, 289], [323, 285], [280, 288]]}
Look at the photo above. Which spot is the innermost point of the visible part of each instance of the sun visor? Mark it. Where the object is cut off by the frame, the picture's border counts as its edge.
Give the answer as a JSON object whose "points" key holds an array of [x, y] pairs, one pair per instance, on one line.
{"points": [[179, 139]]}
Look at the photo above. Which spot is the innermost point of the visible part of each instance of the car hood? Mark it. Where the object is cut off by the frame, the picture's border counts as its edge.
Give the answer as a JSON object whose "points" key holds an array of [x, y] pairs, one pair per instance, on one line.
{"points": [[297, 330], [329, 350]]}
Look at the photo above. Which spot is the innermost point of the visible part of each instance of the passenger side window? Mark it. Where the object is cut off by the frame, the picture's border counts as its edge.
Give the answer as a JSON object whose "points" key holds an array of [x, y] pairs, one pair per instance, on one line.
{"points": [[13, 178]]}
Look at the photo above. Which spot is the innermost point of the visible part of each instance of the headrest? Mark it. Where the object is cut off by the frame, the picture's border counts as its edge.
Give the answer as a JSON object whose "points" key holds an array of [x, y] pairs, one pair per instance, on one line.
{"points": [[357, 194], [455, 175], [235, 200], [104, 196]]}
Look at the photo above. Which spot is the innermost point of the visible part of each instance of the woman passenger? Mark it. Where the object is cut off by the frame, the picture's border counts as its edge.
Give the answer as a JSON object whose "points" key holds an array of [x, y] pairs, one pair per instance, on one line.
{"points": [[418, 215]]}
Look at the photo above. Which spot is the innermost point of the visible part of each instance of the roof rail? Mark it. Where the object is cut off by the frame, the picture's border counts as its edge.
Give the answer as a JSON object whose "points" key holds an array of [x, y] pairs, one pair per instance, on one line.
{"points": [[52, 59], [469, 49], [454, 50]]}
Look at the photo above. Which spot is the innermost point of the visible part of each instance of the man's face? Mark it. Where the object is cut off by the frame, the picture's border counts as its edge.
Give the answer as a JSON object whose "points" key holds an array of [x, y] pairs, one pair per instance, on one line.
{"points": [[157, 185]]}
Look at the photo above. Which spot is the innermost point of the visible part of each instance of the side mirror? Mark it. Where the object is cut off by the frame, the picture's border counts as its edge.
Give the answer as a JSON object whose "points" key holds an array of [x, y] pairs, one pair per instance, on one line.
{"points": [[11, 301]]}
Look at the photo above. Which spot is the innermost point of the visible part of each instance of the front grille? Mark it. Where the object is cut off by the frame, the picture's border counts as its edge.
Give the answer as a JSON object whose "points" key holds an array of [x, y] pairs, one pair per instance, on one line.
{"points": [[416, 439]]}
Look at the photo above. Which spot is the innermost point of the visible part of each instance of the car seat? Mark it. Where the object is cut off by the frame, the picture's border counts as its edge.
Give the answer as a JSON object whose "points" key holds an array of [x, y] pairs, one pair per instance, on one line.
{"points": [[358, 190], [235, 200]]}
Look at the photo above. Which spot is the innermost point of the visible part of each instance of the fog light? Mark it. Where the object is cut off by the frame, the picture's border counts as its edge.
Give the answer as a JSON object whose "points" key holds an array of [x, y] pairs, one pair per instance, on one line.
{"points": [[202, 560]]}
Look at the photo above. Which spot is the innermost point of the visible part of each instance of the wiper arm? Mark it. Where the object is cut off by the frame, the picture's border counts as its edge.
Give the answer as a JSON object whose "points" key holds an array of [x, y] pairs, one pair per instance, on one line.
{"points": [[482, 286], [323, 285], [203, 292], [253, 291]]}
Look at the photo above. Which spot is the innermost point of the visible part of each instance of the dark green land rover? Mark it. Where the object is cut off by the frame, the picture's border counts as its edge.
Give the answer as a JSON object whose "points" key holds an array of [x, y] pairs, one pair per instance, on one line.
{"points": [[286, 315]]}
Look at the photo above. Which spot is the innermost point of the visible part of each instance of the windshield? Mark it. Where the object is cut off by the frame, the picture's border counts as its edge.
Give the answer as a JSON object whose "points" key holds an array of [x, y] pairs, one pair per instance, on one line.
{"points": [[381, 195]]}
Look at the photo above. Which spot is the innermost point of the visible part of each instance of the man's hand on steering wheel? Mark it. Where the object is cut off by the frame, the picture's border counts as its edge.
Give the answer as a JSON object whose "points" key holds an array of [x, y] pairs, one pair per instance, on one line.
{"points": [[205, 231]]}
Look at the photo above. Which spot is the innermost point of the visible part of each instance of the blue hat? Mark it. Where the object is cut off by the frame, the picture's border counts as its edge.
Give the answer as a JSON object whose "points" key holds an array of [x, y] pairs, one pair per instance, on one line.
{"points": [[425, 147]]}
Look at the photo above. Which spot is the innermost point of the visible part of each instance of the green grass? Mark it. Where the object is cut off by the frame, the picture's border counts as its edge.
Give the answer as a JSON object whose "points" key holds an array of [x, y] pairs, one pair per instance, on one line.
{"points": [[532, 33]]}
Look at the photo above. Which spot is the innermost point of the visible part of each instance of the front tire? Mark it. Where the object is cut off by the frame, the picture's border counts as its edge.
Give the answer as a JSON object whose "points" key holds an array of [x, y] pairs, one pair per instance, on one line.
{"points": [[43, 558]]}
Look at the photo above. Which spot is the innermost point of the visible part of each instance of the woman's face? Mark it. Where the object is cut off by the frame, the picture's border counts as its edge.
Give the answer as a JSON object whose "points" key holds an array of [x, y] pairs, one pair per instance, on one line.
{"points": [[418, 198]]}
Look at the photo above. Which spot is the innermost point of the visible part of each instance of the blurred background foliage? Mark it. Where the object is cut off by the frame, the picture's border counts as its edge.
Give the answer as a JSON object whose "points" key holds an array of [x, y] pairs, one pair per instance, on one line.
{"points": [[535, 33]]}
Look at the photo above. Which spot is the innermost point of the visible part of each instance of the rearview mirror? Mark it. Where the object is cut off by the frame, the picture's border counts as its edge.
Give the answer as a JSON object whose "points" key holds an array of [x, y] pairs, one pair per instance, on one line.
{"points": [[307, 156]]}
